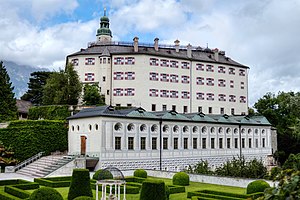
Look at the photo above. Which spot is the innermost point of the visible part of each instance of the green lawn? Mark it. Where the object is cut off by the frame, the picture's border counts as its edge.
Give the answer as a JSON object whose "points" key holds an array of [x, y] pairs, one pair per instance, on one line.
{"points": [[194, 186]]}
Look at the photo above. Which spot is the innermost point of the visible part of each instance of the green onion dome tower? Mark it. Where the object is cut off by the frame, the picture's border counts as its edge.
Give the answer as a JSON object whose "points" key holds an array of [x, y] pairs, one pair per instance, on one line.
{"points": [[104, 34]]}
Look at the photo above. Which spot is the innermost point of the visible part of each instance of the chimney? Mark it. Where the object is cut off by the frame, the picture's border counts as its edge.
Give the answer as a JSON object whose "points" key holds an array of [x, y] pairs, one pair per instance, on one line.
{"points": [[216, 54], [136, 44], [189, 50], [177, 45], [156, 44]]}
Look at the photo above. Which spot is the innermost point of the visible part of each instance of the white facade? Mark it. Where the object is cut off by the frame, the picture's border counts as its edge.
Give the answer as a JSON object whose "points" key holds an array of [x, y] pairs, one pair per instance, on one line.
{"points": [[126, 140]]}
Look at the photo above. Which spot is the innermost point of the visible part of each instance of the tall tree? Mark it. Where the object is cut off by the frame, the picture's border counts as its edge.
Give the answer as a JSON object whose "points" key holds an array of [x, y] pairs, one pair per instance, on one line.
{"points": [[91, 95], [62, 88], [8, 108], [35, 87]]}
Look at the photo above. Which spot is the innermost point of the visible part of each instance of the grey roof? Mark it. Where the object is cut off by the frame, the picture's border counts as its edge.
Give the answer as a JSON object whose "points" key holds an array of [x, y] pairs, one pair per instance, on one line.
{"points": [[23, 106], [140, 113], [115, 48]]}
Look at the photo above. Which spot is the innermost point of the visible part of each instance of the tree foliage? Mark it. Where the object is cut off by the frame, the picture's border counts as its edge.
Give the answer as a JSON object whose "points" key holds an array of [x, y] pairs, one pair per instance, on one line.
{"points": [[35, 87], [8, 108], [62, 88], [91, 95], [283, 111]]}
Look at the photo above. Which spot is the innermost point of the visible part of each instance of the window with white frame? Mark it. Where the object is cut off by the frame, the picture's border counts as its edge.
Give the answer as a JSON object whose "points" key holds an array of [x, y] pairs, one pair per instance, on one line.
{"points": [[199, 67], [200, 81], [232, 98], [185, 65], [210, 81], [153, 92], [89, 61], [242, 99], [242, 85], [173, 64], [164, 93], [164, 77], [173, 78], [118, 75], [222, 97], [173, 94], [75, 62], [119, 60], [129, 91], [231, 83], [89, 76], [185, 79], [200, 95], [118, 92], [222, 83], [153, 76], [209, 68], [153, 62], [164, 63], [242, 72], [210, 96], [129, 75], [221, 69], [185, 94], [129, 60], [231, 71]]}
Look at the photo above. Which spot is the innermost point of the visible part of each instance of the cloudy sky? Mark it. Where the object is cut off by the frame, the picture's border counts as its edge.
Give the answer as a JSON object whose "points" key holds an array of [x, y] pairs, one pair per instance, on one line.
{"points": [[262, 34]]}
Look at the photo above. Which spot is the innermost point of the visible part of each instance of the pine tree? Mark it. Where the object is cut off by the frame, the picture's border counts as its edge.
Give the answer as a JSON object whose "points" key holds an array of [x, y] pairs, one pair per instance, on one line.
{"points": [[8, 108]]}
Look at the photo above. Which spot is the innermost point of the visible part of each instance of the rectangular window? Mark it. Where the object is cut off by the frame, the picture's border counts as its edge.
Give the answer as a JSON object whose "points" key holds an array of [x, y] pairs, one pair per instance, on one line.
{"points": [[250, 143], [175, 143], [210, 81], [153, 92], [75, 62], [231, 71], [185, 79], [154, 61], [130, 143], [164, 77], [185, 95], [210, 96], [153, 107], [185, 65], [129, 105], [129, 75], [164, 63], [103, 78], [231, 84], [232, 111], [220, 143], [242, 99], [209, 68], [165, 143], [89, 61], [256, 143], [200, 81], [119, 60], [236, 143], [222, 83], [222, 112], [118, 75], [173, 94], [222, 97], [243, 142], [242, 72], [221, 69], [108, 60], [164, 107], [107, 92], [203, 143], [199, 109], [129, 60], [89, 77], [185, 109], [242, 85], [153, 76], [185, 143], [232, 98], [154, 143], [118, 92], [228, 143], [200, 67], [129, 91], [195, 143], [143, 143], [263, 142], [164, 93], [200, 95], [174, 107], [212, 143], [209, 110], [104, 60], [117, 143], [173, 78], [173, 64]]}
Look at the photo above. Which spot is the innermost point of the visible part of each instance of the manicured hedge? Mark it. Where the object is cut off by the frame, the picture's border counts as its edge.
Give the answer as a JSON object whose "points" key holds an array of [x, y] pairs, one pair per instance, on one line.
{"points": [[225, 194], [84, 198], [13, 182], [45, 193], [134, 179], [257, 186], [176, 189], [40, 135], [140, 173], [102, 174], [52, 183], [181, 178], [80, 184], [16, 192], [49, 112], [153, 190], [27, 186], [4, 196]]}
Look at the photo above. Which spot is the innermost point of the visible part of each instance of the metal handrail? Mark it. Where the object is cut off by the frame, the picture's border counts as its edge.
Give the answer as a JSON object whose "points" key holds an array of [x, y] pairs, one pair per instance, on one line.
{"points": [[28, 161]]}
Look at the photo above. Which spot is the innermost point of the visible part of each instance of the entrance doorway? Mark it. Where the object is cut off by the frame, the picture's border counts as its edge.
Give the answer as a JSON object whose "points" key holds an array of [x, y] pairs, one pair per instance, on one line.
{"points": [[83, 145]]}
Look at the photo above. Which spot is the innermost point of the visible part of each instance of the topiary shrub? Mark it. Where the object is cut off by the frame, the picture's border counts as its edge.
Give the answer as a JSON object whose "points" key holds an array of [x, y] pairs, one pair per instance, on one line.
{"points": [[181, 178], [84, 198], [45, 193], [102, 175], [140, 173], [153, 190], [80, 184], [257, 186]]}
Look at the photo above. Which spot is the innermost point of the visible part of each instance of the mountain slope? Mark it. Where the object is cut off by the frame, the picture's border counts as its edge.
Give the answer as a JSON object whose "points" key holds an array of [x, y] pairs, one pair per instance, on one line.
{"points": [[19, 76]]}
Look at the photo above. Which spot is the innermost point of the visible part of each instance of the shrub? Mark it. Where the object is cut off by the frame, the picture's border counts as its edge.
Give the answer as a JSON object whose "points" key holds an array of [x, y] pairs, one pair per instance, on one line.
{"points": [[257, 186], [181, 178], [53, 112], [140, 173], [16, 192], [153, 190], [275, 171], [102, 175], [45, 193], [84, 198], [80, 184]]}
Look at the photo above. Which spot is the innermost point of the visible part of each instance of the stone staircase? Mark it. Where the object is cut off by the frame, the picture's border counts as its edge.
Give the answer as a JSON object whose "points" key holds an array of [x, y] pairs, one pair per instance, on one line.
{"points": [[45, 165]]}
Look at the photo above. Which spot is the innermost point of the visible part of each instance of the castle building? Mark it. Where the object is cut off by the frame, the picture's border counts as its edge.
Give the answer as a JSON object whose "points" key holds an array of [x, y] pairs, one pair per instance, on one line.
{"points": [[160, 77]]}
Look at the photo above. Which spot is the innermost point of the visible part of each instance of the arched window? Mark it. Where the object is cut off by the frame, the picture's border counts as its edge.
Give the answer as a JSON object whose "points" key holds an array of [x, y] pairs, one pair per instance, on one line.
{"points": [[228, 130], [220, 130], [96, 127], [204, 129], [212, 130], [90, 127], [143, 128], [185, 129], [175, 129], [165, 128], [154, 128], [118, 126], [130, 127], [195, 129]]}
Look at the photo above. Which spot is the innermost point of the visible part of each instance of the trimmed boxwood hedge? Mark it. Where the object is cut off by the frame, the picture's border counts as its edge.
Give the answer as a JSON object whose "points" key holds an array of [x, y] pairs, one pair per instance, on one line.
{"points": [[181, 178], [80, 184], [257, 186], [40, 135], [153, 190], [5, 196], [27, 186], [134, 179], [45, 193], [176, 189], [52, 183], [140, 173], [16, 192], [84, 198], [102, 175], [225, 194]]}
